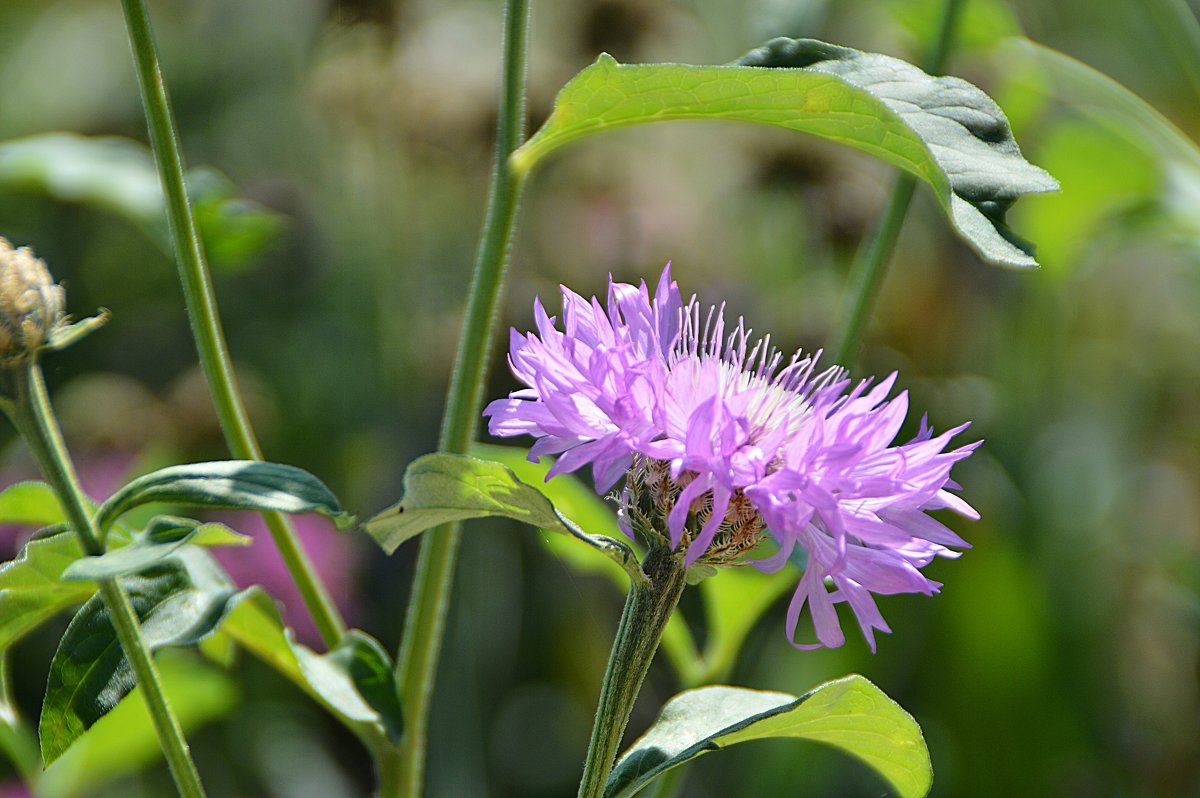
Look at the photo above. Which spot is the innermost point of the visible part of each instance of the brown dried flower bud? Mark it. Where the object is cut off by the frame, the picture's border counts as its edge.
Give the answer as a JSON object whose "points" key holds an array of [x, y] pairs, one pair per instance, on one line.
{"points": [[31, 304]]}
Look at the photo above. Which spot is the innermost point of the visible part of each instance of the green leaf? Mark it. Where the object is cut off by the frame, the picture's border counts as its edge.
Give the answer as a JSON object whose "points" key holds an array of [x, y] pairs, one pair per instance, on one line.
{"points": [[354, 681], [444, 488], [31, 590], [118, 175], [124, 742], [164, 535], [849, 713], [943, 130], [178, 602], [228, 485], [30, 504], [65, 335]]}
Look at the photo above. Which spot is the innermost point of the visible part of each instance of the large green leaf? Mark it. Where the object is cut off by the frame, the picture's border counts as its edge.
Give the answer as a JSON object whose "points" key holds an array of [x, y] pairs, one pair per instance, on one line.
{"points": [[849, 713], [354, 681], [229, 485], [943, 130], [178, 602], [31, 590], [443, 488]]}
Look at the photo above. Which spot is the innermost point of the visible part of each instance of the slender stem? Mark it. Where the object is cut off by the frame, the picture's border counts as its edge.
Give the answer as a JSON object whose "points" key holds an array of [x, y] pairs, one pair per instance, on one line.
{"points": [[647, 610], [204, 317], [425, 621], [34, 418], [871, 263]]}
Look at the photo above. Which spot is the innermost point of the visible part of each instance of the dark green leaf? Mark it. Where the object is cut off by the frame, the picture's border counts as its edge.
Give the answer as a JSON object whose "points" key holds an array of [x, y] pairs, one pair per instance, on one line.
{"points": [[229, 485], [849, 713], [943, 130], [178, 602], [443, 488], [164, 535]]}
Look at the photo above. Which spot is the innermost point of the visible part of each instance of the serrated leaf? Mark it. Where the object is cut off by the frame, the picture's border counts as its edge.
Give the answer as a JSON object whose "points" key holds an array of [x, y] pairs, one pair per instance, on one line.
{"points": [[30, 504], [31, 590], [161, 538], [178, 602], [354, 681], [228, 485], [443, 488], [943, 130], [850, 714]]}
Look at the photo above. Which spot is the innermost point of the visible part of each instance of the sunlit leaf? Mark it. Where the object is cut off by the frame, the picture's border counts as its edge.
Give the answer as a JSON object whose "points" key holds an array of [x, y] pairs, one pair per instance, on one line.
{"points": [[943, 130], [228, 485], [30, 588], [355, 681], [850, 714], [443, 488], [124, 742], [30, 504]]}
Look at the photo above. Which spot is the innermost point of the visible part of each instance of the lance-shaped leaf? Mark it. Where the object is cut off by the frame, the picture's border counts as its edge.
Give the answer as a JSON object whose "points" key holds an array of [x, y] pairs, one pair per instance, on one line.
{"points": [[228, 485], [443, 488], [161, 538], [30, 504], [178, 602], [849, 713], [945, 131]]}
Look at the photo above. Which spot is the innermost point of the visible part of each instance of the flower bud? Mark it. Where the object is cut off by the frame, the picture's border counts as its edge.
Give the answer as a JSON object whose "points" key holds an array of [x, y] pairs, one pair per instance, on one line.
{"points": [[31, 304]]}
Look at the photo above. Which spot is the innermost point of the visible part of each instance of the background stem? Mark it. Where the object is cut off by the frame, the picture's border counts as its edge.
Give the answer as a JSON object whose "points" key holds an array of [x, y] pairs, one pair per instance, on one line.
{"points": [[870, 264], [647, 610], [204, 317], [425, 621], [34, 418]]}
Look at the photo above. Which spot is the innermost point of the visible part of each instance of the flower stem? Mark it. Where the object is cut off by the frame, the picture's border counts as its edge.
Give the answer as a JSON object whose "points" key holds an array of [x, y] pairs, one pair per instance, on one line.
{"points": [[647, 610], [204, 317], [34, 418], [870, 264], [425, 621]]}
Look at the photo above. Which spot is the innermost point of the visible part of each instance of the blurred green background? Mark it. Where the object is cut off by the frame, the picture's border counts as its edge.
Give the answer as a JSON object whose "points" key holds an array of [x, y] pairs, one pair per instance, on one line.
{"points": [[341, 151]]}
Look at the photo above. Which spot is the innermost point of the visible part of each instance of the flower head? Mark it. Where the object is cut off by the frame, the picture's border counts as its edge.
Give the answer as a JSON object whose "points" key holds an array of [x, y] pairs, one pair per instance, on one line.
{"points": [[31, 305], [723, 442]]}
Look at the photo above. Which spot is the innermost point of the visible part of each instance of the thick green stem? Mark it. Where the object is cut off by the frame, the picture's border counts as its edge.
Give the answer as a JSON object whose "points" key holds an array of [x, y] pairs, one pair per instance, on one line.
{"points": [[425, 621], [647, 610], [866, 275], [203, 314], [34, 418]]}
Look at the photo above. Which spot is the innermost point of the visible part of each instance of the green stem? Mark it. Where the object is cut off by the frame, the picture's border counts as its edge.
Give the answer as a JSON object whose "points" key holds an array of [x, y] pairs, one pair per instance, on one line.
{"points": [[866, 275], [425, 621], [647, 610], [204, 317], [34, 418]]}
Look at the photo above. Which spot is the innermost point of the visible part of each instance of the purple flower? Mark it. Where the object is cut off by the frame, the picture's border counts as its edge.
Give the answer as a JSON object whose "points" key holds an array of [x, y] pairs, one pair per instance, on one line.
{"points": [[728, 442]]}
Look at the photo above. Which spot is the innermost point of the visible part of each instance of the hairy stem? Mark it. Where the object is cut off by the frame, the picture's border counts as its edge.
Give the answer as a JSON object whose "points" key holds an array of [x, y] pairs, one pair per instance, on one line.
{"points": [[34, 418], [204, 317], [425, 621], [870, 264], [647, 610]]}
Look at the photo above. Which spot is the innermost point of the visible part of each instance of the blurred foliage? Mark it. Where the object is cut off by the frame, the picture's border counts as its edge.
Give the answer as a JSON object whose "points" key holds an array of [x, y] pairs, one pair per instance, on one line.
{"points": [[1062, 656]]}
